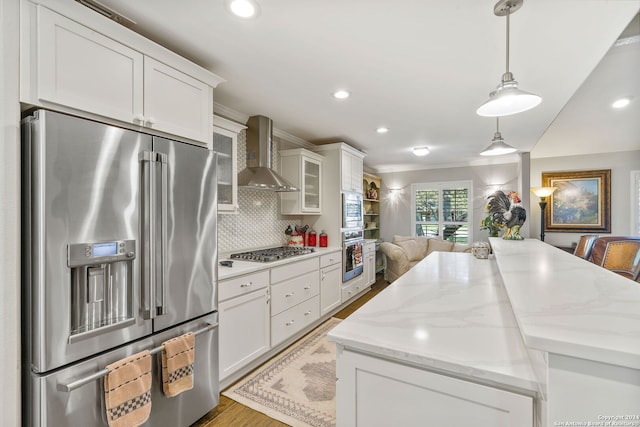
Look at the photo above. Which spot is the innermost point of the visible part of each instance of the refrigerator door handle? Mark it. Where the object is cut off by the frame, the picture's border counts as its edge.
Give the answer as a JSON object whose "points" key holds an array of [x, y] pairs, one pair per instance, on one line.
{"points": [[162, 308], [147, 219], [72, 385]]}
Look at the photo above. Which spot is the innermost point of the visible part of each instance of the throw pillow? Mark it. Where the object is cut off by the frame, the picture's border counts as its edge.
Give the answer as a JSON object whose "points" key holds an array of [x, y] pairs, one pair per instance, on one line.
{"points": [[440, 245], [412, 248]]}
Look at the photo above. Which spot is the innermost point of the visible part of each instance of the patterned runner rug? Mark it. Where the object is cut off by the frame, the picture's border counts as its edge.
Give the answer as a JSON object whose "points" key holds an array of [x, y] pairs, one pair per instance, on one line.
{"points": [[298, 386]]}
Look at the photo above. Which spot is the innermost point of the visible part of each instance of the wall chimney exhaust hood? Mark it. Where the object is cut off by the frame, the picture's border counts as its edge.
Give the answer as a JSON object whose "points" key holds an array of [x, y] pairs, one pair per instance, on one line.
{"points": [[258, 173]]}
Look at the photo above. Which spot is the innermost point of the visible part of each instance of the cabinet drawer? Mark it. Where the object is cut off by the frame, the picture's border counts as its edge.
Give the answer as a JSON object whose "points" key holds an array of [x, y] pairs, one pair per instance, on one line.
{"points": [[369, 248], [293, 291], [330, 259], [279, 274], [241, 285], [353, 288], [294, 320]]}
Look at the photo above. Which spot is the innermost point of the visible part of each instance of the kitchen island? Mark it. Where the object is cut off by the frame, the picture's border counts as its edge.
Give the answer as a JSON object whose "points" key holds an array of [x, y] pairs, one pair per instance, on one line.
{"points": [[532, 336]]}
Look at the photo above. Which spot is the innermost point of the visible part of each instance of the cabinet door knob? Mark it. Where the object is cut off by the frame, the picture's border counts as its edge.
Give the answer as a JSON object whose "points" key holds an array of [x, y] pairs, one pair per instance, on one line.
{"points": [[151, 121], [139, 118]]}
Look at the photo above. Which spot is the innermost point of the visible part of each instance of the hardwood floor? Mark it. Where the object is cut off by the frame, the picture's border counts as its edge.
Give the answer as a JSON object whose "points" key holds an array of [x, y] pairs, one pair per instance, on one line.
{"points": [[230, 413]]}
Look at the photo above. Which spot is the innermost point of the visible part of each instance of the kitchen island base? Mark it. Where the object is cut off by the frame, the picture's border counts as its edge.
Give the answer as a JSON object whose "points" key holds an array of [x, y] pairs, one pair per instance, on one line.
{"points": [[376, 392]]}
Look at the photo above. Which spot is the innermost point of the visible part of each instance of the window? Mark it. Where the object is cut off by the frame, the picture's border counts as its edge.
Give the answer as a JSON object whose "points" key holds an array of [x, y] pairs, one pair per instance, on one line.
{"points": [[441, 209], [635, 203]]}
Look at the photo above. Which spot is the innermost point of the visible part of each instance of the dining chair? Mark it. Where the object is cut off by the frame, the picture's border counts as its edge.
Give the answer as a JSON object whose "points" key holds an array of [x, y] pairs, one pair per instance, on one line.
{"points": [[585, 245], [622, 257]]}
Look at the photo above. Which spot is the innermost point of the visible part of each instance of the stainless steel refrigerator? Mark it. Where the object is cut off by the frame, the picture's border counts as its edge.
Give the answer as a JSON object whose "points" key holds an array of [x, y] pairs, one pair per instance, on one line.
{"points": [[119, 255]]}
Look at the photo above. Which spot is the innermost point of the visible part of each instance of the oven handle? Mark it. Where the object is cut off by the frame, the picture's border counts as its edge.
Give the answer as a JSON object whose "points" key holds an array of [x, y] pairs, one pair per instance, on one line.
{"points": [[67, 387]]}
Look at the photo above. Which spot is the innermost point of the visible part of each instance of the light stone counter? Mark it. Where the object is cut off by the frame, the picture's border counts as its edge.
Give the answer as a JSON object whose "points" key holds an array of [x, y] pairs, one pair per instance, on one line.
{"points": [[240, 267], [568, 306], [449, 313]]}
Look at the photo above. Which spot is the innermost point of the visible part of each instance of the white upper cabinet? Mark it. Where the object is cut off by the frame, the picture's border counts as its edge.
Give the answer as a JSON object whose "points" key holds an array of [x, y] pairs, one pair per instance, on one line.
{"points": [[77, 61], [225, 143], [176, 103], [80, 68], [351, 169], [302, 168]]}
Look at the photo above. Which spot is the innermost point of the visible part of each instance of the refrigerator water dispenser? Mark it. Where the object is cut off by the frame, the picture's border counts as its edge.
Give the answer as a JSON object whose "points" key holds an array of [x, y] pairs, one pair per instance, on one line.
{"points": [[101, 286]]}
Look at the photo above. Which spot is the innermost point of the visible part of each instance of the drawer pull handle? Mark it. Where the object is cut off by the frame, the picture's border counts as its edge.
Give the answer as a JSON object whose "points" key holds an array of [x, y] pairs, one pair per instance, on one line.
{"points": [[308, 313], [289, 295], [246, 285], [306, 288], [290, 322]]}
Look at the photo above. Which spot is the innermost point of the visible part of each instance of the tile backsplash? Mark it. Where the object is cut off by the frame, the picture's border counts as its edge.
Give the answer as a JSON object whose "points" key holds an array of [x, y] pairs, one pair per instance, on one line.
{"points": [[258, 222]]}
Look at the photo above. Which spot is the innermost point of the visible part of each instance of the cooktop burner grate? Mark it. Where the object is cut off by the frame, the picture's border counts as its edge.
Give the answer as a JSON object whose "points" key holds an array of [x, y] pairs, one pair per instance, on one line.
{"points": [[272, 254]]}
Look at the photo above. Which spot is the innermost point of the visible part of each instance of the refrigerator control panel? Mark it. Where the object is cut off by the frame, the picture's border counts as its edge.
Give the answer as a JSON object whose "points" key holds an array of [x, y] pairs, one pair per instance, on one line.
{"points": [[79, 254]]}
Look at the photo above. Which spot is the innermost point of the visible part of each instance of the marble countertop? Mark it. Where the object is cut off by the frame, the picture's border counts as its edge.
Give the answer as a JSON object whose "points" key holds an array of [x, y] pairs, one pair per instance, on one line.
{"points": [[240, 267], [566, 305], [449, 313]]}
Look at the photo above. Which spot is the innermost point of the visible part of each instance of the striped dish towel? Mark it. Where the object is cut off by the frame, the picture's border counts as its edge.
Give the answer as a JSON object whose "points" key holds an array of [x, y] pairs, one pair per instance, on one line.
{"points": [[127, 391], [178, 355]]}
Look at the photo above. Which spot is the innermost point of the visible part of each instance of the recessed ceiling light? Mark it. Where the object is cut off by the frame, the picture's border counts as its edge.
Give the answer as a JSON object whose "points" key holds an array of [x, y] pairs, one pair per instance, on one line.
{"points": [[621, 103], [341, 94], [420, 151], [382, 129], [243, 8]]}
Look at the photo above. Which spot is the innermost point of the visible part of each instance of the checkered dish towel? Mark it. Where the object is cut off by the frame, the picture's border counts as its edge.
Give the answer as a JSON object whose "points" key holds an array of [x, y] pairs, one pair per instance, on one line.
{"points": [[178, 356], [127, 391]]}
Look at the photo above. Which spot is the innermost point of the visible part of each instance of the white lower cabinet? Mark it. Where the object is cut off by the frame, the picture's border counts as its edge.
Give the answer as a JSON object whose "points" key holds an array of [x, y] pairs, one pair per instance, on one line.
{"points": [[374, 392], [293, 320], [369, 263], [330, 282], [353, 288], [244, 321], [295, 301]]}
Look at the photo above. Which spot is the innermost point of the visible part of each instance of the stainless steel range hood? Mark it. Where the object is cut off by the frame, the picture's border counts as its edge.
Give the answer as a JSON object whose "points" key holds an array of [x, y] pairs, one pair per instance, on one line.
{"points": [[258, 174]]}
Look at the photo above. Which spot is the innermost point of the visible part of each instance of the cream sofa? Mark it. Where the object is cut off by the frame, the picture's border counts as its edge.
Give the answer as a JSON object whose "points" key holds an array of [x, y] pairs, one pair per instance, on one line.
{"points": [[406, 251]]}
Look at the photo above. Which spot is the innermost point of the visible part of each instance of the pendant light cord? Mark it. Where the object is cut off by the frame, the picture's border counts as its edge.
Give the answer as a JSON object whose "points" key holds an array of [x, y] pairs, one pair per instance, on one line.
{"points": [[508, 14]]}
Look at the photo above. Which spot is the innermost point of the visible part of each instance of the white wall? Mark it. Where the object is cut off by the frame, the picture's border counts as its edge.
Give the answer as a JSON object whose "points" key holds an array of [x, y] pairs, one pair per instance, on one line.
{"points": [[395, 207], [9, 216], [621, 165]]}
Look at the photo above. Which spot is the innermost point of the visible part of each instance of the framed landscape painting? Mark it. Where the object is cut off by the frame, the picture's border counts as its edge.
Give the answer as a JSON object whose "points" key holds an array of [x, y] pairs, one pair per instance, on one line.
{"points": [[582, 202]]}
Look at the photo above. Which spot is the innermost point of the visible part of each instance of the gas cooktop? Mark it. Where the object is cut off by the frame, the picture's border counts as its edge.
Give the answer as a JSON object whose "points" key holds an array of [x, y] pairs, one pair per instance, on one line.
{"points": [[272, 254]]}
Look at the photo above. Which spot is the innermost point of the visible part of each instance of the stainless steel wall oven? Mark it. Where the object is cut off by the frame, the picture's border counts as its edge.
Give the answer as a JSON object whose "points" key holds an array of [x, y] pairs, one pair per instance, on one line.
{"points": [[352, 257]]}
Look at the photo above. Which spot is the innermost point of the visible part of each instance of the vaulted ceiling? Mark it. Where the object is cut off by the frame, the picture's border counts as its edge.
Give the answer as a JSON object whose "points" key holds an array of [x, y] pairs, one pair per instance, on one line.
{"points": [[419, 68]]}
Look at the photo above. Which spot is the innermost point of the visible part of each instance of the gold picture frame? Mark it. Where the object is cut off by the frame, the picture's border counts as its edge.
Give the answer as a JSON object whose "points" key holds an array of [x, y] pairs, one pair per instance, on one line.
{"points": [[582, 202]]}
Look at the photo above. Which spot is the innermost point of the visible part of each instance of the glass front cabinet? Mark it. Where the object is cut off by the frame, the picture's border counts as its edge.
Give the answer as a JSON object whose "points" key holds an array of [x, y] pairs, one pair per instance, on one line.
{"points": [[304, 169], [225, 143]]}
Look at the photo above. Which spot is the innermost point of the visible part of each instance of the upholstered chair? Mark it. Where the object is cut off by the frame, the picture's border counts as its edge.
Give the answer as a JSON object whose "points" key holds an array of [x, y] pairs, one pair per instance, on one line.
{"points": [[585, 245], [622, 257]]}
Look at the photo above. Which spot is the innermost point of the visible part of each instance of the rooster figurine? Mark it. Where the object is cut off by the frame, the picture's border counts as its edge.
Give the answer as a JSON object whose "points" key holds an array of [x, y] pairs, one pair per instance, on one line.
{"points": [[507, 211]]}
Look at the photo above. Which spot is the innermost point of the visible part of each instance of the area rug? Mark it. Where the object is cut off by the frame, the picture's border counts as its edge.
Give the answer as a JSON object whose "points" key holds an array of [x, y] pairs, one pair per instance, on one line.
{"points": [[298, 386]]}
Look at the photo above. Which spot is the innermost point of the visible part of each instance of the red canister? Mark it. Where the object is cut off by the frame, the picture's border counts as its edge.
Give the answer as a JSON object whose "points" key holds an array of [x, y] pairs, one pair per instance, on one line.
{"points": [[311, 238], [323, 239]]}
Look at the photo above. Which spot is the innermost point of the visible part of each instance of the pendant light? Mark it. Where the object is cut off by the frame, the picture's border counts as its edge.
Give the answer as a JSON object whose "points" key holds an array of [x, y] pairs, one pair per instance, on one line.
{"points": [[498, 147], [507, 99]]}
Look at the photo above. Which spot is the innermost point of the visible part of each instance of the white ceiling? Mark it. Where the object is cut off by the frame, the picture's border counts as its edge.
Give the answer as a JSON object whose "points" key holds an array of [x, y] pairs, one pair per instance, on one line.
{"points": [[418, 67]]}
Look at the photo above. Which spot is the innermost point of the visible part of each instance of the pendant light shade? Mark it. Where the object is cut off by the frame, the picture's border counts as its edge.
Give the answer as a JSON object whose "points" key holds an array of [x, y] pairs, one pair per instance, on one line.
{"points": [[498, 147], [507, 99]]}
